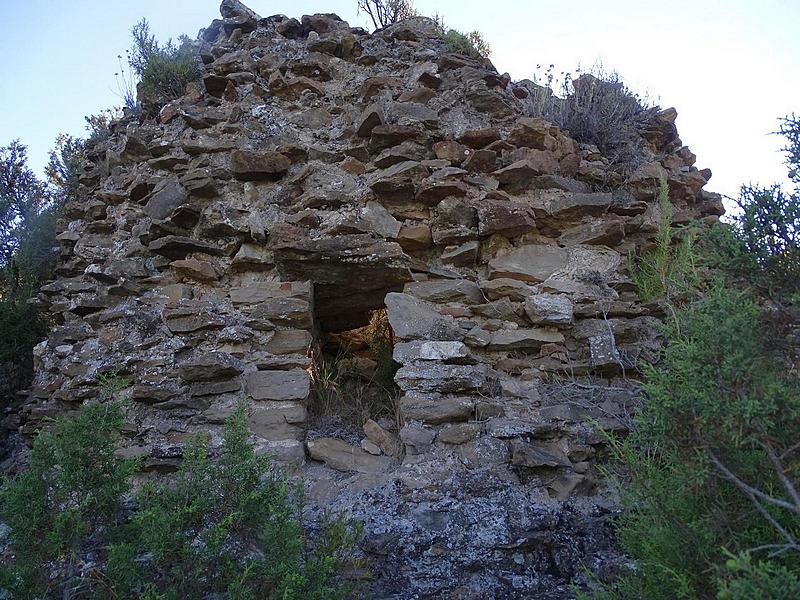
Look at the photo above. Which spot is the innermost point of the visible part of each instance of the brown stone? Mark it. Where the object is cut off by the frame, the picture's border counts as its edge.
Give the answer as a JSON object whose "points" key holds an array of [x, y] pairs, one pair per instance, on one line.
{"points": [[479, 138], [253, 164], [341, 456]]}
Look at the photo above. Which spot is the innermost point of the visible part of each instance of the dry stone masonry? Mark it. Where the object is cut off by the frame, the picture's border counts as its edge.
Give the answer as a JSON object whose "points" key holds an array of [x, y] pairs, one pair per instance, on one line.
{"points": [[318, 173]]}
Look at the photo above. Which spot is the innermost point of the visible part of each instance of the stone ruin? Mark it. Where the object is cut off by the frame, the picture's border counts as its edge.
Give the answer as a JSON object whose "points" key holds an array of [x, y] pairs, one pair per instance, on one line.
{"points": [[319, 173]]}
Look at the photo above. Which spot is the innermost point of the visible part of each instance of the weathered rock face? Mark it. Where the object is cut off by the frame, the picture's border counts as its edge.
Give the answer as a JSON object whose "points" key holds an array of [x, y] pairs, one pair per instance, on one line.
{"points": [[318, 173]]}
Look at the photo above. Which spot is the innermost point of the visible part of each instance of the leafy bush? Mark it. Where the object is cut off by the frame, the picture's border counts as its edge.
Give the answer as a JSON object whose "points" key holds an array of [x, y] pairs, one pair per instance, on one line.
{"points": [[470, 44], [230, 526], [28, 252], [762, 241], [69, 493], [163, 70], [22, 197], [387, 12], [713, 461], [64, 168], [668, 269], [22, 326]]}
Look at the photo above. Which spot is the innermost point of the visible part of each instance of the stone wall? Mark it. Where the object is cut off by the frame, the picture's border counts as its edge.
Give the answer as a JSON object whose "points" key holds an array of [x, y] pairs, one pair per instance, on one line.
{"points": [[319, 172]]}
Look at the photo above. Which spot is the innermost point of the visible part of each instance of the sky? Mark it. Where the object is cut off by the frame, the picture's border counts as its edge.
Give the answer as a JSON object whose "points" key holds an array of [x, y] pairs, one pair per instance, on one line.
{"points": [[730, 67]]}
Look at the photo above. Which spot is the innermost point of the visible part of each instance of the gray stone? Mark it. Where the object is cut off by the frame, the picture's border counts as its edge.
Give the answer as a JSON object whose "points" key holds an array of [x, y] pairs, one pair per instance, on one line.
{"points": [[532, 263], [254, 165], [443, 378], [524, 339], [293, 311], [433, 410], [463, 255], [387, 442], [417, 438], [513, 289], [412, 318], [176, 247], [446, 290], [549, 309], [277, 420], [452, 352], [289, 341], [165, 199], [459, 433], [484, 452], [528, 455], [278, 385], [376, 219], [267, 290], [369, 120]]}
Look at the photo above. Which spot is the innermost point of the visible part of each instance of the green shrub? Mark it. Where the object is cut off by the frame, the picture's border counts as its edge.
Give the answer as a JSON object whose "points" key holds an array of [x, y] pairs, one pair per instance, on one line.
{"points": [[469, 44], [232, 527], [229, 526], [722, 414], [22, 326], [68, 495], [28, 252], [378, 335], [668, 269], [163, 70], [761, 244]]}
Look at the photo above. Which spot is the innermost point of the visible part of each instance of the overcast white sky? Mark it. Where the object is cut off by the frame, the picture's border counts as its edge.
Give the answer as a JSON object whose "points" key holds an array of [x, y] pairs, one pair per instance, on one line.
{"points": [[729, 66]]}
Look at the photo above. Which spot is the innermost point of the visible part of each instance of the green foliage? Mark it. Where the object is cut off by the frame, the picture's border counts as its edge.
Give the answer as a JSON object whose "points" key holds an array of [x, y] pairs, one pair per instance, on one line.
{"points": [[758, 580], [22, 197], [64, 168], [762, 242], [229, 526], [21, 324], [668, 269], [720, 403], [99, 126], [163, 70], [27, 253], [790, 129], [469, 44], [347, 395], [70, 491]]}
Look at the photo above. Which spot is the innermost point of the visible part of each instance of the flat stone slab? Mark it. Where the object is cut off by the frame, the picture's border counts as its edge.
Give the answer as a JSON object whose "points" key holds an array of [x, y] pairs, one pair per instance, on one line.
{"points": [[278, 385], [533, 263], [340, 455]]}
